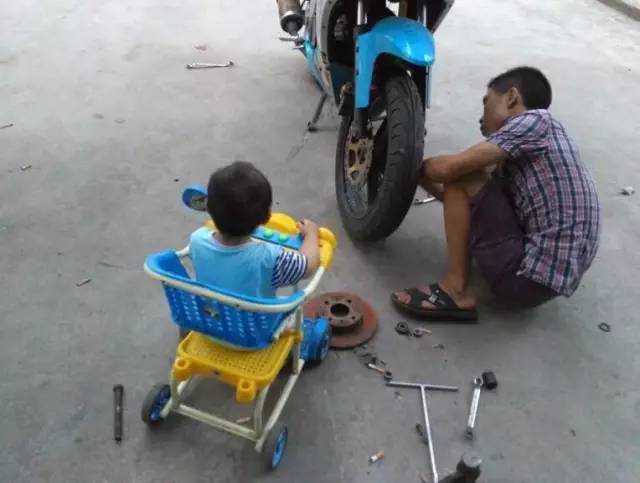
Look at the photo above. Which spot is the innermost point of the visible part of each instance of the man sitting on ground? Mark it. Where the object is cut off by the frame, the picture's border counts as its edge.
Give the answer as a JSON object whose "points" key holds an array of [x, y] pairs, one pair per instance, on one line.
{"points": [[532, 225]]}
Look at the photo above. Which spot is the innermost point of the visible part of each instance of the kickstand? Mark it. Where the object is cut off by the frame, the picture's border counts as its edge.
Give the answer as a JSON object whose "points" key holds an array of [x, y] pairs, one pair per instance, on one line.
{"points": [[311, 125]]}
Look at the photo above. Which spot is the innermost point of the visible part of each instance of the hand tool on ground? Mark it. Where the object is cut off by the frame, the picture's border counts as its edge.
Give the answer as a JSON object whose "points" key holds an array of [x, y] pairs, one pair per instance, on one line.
{"points": [[118, 393], [473, 410], [423, 396], [419, 332], [489, 381], [206, 65], [467, 470], [369, 357], [376, 368], [424, 201], [385, 373]]}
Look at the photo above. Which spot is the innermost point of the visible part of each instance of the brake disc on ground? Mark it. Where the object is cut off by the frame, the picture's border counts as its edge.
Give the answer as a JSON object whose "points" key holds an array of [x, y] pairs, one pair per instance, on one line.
{"points": [[353, 321]]}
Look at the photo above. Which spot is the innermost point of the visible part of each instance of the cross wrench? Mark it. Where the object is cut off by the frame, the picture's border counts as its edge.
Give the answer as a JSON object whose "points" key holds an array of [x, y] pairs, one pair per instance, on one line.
{"points": [[425, 411], [473, 410]]}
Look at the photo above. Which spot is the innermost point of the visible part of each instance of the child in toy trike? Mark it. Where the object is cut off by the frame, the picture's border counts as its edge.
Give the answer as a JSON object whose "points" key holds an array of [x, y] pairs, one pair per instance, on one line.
{"points": [[239, 199], [240, 332]]}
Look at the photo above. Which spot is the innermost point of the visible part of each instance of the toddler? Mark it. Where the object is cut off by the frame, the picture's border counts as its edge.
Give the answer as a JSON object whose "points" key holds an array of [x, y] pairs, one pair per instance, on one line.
{"points": [[238, 201]]}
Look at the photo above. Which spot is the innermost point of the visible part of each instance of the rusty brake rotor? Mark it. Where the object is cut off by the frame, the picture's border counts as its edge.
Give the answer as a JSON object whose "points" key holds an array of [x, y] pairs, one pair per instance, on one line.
{"points": [[353, 321]]}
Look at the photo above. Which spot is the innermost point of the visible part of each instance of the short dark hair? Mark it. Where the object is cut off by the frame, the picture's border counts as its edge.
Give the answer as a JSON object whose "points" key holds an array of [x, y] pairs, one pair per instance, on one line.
{"points": [[532, 85], [238, 199]]}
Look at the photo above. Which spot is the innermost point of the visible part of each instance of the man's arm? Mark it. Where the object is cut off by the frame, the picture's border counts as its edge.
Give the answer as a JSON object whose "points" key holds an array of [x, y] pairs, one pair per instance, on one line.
{"points": [[450, 167]]}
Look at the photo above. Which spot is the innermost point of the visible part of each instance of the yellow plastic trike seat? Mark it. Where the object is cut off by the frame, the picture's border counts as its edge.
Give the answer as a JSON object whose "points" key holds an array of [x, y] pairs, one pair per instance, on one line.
{"points": [[248, 371]]}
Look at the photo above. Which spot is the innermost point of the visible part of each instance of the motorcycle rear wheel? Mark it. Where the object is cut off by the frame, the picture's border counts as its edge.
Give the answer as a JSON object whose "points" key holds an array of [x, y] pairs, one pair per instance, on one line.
{"points": [[376, 184]]}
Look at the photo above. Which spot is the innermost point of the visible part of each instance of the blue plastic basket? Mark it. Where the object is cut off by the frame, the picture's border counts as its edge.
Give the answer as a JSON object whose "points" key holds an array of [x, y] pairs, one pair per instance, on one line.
{"points": [[245, 329]]}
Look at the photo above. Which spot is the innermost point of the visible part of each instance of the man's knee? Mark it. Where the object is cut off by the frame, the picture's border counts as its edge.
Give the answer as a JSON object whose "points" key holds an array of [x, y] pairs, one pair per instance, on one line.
{"points": [[470, 183]]}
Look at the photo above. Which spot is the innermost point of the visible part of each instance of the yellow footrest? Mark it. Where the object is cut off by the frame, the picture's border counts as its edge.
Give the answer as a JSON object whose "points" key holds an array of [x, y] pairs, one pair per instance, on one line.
{"points": [[248, 371]]}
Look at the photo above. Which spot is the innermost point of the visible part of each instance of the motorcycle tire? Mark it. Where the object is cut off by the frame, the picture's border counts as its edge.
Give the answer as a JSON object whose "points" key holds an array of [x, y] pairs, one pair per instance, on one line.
{"points": [[399, 148]]}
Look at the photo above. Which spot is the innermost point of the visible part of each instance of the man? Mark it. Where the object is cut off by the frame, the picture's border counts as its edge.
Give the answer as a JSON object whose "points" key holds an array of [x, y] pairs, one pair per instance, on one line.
{"points": [[532, 225]]}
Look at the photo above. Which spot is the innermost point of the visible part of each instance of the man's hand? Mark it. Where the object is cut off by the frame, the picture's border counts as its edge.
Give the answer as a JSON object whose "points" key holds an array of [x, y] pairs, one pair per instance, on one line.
{"points": [[434, 189], [450, 167]]}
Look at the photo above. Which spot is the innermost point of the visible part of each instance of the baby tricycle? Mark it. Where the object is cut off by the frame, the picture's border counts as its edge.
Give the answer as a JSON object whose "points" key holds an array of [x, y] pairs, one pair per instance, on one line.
{"points": [[238, 340]]}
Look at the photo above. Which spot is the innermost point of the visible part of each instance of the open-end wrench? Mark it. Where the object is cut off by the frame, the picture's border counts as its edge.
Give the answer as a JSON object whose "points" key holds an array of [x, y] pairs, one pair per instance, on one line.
{"points": [[473, 410]]}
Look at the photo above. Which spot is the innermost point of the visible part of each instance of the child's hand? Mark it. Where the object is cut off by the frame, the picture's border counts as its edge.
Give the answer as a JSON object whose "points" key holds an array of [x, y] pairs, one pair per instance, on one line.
{"points": [[310, 249], [307, 227]]}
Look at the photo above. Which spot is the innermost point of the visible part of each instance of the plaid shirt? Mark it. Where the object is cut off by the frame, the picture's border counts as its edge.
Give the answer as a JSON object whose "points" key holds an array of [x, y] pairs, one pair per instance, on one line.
{"points": [[554, 196]]}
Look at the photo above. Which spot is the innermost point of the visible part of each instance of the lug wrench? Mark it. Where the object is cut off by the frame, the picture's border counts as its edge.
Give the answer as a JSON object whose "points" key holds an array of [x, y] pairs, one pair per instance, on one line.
{"points": [[423, 396]]}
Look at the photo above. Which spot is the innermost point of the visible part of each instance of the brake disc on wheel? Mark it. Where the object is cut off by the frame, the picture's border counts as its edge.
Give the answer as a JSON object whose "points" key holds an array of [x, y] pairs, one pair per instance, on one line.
{"points": [[359, 154]]}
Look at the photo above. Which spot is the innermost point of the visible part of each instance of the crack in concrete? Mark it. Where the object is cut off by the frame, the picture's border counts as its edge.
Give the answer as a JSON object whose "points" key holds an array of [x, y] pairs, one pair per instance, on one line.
{"points": [[296, 148]]}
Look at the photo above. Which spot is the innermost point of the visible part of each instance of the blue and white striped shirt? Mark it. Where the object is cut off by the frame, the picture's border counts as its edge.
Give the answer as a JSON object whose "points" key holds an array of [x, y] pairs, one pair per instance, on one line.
{"points": [[254, 268]]}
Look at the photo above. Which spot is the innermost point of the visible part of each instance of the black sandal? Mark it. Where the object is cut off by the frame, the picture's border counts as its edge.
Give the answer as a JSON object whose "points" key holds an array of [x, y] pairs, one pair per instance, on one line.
{"points": [[446, 308]]}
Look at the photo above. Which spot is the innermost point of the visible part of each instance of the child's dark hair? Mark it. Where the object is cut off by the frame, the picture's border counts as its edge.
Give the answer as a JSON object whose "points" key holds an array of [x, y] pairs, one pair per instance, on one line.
{"points": [[532, 85], [238, 199]]}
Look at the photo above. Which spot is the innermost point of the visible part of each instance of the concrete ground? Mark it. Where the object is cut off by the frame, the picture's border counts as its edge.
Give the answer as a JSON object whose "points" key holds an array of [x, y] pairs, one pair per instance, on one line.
{"points": [[113, 127]]}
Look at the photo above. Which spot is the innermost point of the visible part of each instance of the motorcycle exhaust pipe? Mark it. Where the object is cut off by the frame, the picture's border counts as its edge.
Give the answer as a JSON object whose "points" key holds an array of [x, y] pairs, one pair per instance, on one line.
{"points": [[291, 16]]}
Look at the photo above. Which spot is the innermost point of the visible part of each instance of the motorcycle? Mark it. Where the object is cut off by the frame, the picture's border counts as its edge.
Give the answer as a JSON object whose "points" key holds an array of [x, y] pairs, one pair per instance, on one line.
{"points": [[374, 60]]}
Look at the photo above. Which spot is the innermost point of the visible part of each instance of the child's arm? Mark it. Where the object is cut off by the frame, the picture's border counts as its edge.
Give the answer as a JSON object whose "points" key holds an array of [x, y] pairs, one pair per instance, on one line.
{"points": [[310, 248], [292, 266]]}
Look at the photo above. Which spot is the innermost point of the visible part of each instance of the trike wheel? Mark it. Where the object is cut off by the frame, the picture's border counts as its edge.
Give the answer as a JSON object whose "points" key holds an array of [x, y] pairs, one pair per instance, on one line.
{"points": [[324, 344], [377, 175], [155, 401], [318, 337], [275, 446]]}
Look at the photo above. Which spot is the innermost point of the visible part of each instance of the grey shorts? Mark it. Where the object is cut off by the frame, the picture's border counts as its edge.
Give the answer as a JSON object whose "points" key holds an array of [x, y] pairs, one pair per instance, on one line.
{"points": [[497, 246]]}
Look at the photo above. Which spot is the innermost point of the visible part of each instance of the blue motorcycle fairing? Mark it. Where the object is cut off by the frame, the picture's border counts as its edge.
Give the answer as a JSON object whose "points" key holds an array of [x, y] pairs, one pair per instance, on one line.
{"points": [[310, 54], [339, 74], [397, 36]]}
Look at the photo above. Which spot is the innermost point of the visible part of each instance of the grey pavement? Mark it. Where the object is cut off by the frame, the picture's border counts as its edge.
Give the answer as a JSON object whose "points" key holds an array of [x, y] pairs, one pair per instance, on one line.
{"points": [[108, 117]]}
